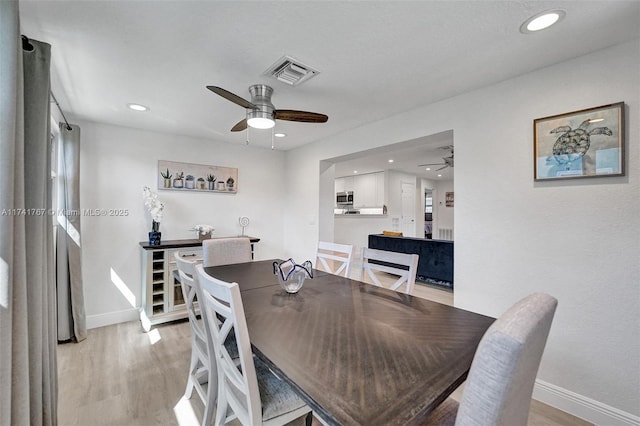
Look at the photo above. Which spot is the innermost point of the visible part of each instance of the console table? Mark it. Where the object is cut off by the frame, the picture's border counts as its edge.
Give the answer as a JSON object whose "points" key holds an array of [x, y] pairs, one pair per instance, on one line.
{"points": [[162, 299]]}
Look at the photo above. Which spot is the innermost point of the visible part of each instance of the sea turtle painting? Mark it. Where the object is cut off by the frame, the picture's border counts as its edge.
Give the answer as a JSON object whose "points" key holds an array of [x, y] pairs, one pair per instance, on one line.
{"points": [[572, 144]]}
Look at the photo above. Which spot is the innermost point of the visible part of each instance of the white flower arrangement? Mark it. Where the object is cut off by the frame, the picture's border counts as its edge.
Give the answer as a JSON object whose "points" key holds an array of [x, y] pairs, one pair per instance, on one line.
{"points": [[203, 229], [153, 204]]}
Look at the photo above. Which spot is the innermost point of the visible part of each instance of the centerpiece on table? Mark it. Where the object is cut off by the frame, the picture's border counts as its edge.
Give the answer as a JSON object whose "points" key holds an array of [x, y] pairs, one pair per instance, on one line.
{"points": [[155, 207], [291, 276], [204, 232]]}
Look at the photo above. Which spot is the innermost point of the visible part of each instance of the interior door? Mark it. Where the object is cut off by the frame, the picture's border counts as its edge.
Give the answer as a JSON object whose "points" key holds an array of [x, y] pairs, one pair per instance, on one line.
{"points": [[408, 220]]}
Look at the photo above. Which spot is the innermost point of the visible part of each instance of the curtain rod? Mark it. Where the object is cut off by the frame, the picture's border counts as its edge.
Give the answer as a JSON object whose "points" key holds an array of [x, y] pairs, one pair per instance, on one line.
{"points": [[60, 109], [26, 45]]}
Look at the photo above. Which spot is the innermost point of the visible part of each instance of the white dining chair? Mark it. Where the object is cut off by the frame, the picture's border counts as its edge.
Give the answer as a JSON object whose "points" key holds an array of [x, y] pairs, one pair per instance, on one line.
{"points": [[202, 369], [247, 390], [226, 251], [404, 266], [500, 383], [334, 258]]}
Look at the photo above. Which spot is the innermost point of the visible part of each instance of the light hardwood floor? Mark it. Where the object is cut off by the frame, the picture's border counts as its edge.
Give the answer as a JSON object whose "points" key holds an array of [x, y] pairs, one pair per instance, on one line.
{"points": [[122, 376]]}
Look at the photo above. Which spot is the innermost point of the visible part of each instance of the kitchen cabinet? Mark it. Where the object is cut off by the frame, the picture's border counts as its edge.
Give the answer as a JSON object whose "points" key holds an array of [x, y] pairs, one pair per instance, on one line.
{"points": [[344, 184], [380, 189], [364, 191], [368, 190]]}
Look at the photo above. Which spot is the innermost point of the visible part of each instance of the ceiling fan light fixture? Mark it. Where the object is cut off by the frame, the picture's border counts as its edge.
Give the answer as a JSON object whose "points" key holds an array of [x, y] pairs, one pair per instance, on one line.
{"points": [[260, 119], [261, 123]]}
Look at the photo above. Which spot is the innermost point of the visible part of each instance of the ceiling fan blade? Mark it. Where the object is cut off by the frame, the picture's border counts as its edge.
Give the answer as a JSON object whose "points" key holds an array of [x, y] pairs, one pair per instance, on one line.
{"points": [[301, 116], [432, 164], [442, 168], [240, 126], [232, 97]]}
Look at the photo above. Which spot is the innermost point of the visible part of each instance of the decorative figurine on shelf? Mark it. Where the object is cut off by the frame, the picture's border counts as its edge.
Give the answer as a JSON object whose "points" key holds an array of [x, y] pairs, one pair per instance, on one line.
{"points": [[155, 207], [204, 232], [244, 222]]}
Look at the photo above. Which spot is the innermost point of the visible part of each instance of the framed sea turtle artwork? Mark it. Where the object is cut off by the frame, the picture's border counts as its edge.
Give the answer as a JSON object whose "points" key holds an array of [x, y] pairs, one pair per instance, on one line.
{"points": [[579, 144]]}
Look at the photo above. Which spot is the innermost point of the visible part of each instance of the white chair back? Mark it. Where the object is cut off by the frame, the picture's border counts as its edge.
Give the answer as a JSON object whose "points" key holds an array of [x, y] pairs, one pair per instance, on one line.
{"points": [[237, 387], [402, 265], [334, 258], [226, 251], [500, 383], [183, 264], [239, 396], [202, 372]]}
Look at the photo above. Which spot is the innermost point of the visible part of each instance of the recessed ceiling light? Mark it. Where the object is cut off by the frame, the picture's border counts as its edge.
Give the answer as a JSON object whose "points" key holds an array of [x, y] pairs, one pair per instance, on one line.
{"points": [[279, 135], [137, 107], [428, 168], [355, 171], [439, 175], [390, 160], [541, 21]]}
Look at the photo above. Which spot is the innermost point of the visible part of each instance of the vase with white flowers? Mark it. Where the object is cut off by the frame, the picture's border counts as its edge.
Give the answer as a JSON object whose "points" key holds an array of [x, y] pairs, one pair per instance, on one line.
{"points": [[155, 207]]}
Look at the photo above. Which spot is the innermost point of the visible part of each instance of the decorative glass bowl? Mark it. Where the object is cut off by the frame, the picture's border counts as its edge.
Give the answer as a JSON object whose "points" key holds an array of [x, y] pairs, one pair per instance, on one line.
{"points": [[291, 276]]}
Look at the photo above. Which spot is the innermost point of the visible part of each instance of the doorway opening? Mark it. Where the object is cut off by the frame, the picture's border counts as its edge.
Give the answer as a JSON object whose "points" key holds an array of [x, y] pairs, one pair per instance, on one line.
{"points": [[428, 213]]}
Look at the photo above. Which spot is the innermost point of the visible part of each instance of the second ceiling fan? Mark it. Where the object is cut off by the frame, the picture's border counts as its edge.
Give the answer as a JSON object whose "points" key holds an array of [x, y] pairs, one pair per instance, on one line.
{"points": [[447, 161], [261, 114]]}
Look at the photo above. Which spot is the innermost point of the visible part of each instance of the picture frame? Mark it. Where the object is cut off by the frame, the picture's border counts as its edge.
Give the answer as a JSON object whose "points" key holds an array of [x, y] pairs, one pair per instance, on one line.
{"points": [[177, 176], [580, 144], [448, 200]]}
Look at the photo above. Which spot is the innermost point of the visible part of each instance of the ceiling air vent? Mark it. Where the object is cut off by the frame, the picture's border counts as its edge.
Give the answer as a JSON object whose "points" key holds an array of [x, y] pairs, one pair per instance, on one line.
{"points": [[290, 71]]}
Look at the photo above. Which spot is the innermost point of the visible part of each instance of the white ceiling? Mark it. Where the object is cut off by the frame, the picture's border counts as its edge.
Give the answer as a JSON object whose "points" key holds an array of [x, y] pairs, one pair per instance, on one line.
{"points": [[376, 59]]}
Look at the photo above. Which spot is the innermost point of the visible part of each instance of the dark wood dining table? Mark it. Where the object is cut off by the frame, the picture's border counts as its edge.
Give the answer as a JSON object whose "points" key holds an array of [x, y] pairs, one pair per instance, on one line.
{"points": [[357, 354]]}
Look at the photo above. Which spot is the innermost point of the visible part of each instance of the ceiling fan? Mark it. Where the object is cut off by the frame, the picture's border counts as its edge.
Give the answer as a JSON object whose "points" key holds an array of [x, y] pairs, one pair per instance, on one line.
{"points": [[261, 114], [448, 161]]}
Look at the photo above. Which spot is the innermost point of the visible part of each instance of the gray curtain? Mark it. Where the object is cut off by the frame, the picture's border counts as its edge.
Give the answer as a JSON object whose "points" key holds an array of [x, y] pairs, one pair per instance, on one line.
{"points": [[71, 314], [28, 363]]}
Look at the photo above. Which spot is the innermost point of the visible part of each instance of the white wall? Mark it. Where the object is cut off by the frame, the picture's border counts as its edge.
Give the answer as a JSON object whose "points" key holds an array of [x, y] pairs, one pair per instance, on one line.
{"points": [[577, 240], [116, 162]]}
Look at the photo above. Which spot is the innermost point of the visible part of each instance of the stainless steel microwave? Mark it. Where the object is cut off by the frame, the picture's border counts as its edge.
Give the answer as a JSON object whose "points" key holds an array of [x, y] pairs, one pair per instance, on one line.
{"points": [[344, 198]]}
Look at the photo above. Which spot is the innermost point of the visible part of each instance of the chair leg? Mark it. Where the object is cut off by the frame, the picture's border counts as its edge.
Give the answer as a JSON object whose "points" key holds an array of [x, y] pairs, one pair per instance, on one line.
{"points": [[193, 366], [212, 396]]}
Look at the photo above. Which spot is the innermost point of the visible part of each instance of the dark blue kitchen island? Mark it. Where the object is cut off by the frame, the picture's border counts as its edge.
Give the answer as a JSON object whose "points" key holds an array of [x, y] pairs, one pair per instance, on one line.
{"points": [[435, 265]]}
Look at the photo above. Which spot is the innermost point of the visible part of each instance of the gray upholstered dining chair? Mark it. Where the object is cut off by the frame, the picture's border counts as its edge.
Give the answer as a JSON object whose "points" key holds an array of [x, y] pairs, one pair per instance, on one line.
{"points": [[500, 383], [226, 251], [334, 258], [247, 390], [202, 369], [391, 263]]}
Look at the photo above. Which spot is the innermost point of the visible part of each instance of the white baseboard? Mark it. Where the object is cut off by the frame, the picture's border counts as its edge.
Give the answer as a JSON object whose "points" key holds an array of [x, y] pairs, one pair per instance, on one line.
{"points": [[101, 320], [580, 406]]}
